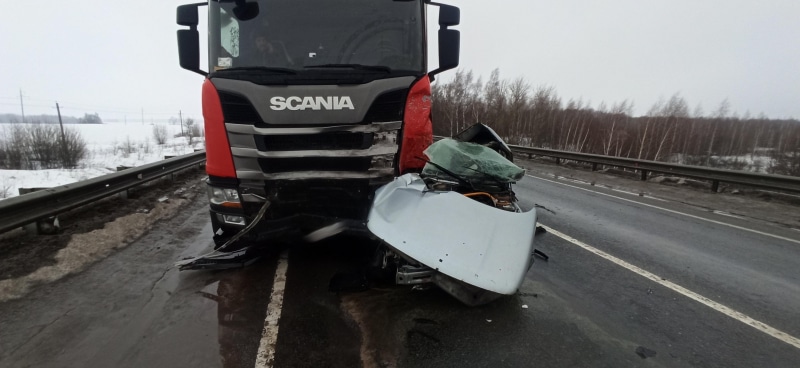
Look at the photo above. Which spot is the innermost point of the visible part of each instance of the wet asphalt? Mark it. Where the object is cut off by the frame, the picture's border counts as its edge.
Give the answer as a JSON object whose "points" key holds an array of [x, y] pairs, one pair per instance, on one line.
{"points": [[133, 309]]}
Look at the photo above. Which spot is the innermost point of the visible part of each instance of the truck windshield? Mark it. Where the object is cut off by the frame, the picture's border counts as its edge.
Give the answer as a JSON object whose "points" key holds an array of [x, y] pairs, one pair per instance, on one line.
{"points": [[314, 34]]}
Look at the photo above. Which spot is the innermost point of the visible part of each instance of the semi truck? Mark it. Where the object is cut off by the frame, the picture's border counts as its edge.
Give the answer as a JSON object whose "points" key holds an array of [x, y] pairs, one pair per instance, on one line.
{"points": [[318, 121], [311, 105]]}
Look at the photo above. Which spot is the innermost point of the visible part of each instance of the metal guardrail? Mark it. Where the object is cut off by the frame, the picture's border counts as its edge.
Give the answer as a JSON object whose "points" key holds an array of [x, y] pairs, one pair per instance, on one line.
{"points": [[29, 208], [716, 176]]}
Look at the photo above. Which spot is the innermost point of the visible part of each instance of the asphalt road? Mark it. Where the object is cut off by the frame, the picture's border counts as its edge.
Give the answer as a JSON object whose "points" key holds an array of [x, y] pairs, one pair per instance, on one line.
{"points": [[577, 309]]}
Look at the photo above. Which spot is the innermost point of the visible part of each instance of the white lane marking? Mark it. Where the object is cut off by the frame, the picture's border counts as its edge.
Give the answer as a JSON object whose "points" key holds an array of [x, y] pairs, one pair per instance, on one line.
{"points": [[723, 213], [675, 212], [625, 191], [739, 316], [579, 181], [638, 194], [269, 336]]}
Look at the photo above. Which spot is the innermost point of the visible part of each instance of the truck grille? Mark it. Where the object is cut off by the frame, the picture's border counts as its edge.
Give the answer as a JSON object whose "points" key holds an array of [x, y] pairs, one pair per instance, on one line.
{"points": [[353, 145], [388, 106], [294, 164], [321, 141], [237, 109]]}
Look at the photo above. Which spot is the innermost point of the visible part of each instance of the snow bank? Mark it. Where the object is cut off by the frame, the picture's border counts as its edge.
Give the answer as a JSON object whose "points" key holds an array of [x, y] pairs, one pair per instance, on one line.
{"points": [[108, 145]]}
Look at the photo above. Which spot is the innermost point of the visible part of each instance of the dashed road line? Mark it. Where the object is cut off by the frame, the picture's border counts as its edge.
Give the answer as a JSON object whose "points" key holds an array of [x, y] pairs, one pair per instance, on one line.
{"points": [[723, 213], [739, 316], [269, 336], [673, 211], [639, 194]]}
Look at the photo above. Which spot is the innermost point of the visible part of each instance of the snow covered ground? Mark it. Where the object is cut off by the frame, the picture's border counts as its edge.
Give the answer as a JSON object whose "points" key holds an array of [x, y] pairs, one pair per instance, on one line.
{"points": [[758, 163], [109, 145]]}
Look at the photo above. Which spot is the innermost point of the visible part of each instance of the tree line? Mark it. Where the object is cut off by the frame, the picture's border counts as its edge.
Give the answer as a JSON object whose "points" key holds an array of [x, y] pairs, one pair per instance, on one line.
{"points": [[51, 119], [670, 131]]}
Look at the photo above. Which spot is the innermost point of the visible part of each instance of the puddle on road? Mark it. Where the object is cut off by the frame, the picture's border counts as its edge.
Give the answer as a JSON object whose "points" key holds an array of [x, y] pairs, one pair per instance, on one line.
{"points": [[242, 296]]}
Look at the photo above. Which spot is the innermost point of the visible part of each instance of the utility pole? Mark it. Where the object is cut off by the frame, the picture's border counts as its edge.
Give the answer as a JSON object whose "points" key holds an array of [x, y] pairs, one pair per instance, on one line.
{"points": [[64, 158], [21, 106], [180, 114]]}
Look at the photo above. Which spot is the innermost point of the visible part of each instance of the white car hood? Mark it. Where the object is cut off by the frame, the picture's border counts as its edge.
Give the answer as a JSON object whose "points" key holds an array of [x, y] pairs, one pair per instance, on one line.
{"points": [[469, 241]]}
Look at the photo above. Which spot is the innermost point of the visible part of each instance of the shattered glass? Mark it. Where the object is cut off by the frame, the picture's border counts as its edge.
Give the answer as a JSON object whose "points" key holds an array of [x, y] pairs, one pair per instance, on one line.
{"points": [[470, 161]]}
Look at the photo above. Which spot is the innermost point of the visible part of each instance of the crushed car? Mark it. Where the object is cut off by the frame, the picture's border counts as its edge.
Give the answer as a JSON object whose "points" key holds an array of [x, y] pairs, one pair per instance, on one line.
{"points": [[456, 225]]}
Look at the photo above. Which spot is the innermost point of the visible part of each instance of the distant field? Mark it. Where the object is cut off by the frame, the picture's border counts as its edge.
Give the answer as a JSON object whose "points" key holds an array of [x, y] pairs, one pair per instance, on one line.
{"points": [[109, 145]]}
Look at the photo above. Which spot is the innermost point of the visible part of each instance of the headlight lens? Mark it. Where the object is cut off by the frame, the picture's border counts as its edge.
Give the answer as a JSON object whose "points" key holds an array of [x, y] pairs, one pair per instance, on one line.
{"points": [[224, 196], [235, 220]]}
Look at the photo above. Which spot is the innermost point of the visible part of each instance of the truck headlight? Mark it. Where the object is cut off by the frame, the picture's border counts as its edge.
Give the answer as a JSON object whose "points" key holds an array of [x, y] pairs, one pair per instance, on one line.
{"points": [[226, 197]]}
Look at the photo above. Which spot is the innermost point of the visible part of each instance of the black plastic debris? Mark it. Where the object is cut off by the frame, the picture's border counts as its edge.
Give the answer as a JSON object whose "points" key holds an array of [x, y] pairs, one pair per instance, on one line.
{"points": [[644, 352]]}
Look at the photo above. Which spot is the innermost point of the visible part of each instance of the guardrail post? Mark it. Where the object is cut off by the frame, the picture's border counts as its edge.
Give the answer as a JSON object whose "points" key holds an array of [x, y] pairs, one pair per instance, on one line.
{"points": [[31, 229], [594, 166], [558, 161], [715, 186], [203, 165], [644, 175], [123, 195], [45, 226], [171, 175]]}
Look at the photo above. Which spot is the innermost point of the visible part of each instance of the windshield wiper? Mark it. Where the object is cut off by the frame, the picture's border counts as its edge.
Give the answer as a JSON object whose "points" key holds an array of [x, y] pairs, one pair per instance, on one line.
{"points": [[259, 68], [378, 68]]}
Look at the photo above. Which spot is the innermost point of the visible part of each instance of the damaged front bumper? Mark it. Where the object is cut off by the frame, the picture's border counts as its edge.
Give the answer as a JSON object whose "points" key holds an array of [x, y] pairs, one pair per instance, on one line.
{"points": [[473, 251]]}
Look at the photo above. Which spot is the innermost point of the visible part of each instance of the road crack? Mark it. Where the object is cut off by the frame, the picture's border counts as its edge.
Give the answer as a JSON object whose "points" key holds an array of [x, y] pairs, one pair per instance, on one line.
{"points": [[42, 329]]}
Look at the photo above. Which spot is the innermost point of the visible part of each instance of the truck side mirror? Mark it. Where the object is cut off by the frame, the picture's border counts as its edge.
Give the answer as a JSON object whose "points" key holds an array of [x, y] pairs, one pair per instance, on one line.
{"points": [[189, 39], [449, 39], [449, 15], [187, 15], [449, 49]]}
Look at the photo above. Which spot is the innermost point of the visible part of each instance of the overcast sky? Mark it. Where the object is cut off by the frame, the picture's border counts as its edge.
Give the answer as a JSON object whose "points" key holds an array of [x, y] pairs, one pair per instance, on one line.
{"points": [[118, 57]]}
